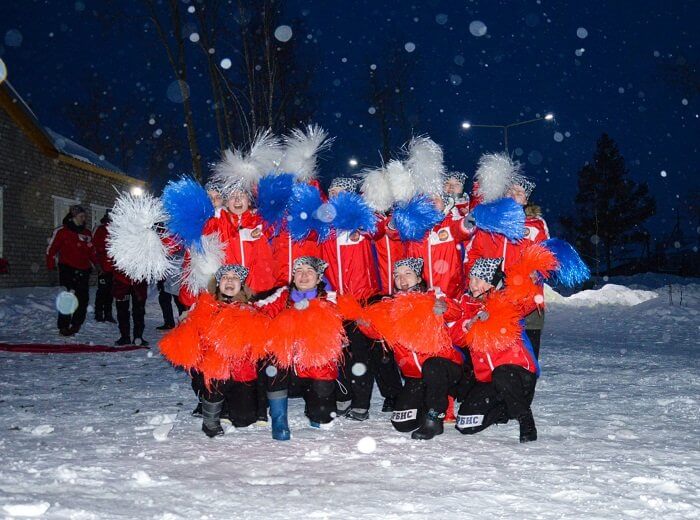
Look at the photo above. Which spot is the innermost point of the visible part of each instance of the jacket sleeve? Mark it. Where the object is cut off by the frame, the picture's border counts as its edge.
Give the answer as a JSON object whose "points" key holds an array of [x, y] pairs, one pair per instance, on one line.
{"points": [[454, 311], [273, 304], [54, 248], [459, 230]]}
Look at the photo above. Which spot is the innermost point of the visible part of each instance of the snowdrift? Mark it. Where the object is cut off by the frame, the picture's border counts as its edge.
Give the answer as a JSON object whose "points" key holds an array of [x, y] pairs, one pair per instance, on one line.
{"points": [[609, 294]]}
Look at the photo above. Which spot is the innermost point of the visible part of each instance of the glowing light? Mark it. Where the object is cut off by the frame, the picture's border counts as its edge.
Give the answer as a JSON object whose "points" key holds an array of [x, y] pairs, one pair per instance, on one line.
{"points": [[466, 125], [352, 162], [137, 191], [549, 117]]}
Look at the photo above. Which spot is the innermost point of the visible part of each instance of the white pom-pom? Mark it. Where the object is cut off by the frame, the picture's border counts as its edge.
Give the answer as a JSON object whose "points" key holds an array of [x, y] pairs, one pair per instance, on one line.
{"points": [[426, 164], [204, 263], [376, 190], [263, 157], [400, 181], [301, 151], [133, 242], [495, 174]]}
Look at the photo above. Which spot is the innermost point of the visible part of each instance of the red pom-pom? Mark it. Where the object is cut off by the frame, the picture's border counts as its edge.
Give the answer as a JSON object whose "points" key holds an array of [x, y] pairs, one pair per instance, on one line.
{"points": [[307, 337], [500, 331], [214, 366], [238, 332], [408, 320], [181, 346], [350, 308], [535, 260]]}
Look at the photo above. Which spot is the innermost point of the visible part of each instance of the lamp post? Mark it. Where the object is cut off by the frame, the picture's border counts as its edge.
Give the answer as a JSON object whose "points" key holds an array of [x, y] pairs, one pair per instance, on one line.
{"points": [[3, 71], [547, 117]]}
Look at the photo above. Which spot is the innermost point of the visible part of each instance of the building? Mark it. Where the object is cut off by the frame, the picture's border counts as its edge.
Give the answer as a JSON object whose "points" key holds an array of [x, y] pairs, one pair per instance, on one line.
{"points": [[41, 174]]}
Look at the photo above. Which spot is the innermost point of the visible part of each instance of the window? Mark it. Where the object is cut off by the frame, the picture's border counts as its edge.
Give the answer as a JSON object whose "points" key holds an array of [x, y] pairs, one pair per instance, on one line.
{"points": [[61, 205], [96, 214]]}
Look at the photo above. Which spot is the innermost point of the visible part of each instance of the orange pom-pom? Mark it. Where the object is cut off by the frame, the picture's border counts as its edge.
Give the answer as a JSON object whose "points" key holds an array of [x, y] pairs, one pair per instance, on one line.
{"points": [[349, 307], [307, 337], [500, 331], [181, 346], [408, 320], [214, 366], [233, 330], [520, 286]]}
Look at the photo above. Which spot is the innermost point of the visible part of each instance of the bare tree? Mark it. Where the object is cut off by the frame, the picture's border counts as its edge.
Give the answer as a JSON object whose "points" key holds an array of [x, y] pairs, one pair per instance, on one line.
{"points": [[169, 28]]}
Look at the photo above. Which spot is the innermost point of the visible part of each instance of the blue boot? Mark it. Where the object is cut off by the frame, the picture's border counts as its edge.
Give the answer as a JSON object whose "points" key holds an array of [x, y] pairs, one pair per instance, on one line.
{"points": [[278, 416]]}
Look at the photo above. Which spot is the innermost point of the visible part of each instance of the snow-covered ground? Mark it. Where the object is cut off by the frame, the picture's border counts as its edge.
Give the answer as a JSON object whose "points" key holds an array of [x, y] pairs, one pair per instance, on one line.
{"points": [[110, 435]]}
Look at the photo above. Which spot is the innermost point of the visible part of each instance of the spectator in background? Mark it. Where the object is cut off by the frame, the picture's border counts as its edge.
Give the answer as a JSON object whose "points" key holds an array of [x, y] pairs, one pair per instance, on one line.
{"points": [[72, 244], [103, 298], [168, 290], [126, 290]]}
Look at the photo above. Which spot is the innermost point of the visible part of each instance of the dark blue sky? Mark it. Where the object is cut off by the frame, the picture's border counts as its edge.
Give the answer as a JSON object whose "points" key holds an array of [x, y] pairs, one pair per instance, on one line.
{"points": [[531, 60]]}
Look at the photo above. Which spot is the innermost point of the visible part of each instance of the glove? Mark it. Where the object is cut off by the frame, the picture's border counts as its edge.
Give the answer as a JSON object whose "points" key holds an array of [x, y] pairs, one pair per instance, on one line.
{"points": [[469, 222], [482, 316], [440, 307]]}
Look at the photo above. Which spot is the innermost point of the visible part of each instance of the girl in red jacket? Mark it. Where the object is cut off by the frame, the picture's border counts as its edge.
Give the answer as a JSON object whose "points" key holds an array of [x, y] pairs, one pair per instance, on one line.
{"points": [[441, 251], [223, 374], [429, 378], [305, 353], [505, 377]]}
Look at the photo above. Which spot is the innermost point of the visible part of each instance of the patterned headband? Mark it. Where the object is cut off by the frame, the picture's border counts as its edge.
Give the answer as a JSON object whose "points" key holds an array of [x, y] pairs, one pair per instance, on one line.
{"points": [[460, 176], [237, 269], [526, 184], [213, 185], [236, 186], [486, 269], [414, 264], [316, 264], [345, 183]]}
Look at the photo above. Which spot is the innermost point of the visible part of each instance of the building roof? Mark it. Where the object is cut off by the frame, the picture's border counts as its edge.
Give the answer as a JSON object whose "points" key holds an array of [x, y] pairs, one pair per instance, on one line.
{"points": [[53, 144]]}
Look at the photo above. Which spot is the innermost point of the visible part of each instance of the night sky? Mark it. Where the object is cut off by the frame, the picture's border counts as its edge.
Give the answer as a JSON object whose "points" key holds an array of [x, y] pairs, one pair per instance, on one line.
{"points": [[598, 66]]}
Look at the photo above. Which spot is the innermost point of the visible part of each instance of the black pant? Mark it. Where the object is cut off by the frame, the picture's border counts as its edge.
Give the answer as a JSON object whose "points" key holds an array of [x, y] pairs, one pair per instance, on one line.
{"points": [[535, 336], [77, 281], [165, 300], [103, 298], [137, 294], [508, 396], [319, 398], [240, 398], [441, 378], [262, 390], [355, 374], [385, 370]]}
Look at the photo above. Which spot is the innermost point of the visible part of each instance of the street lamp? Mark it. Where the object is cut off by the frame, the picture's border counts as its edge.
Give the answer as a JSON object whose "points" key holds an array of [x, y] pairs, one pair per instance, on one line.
{"points": [[137, 191], [466, 125], [3, 71], [352, 162]]}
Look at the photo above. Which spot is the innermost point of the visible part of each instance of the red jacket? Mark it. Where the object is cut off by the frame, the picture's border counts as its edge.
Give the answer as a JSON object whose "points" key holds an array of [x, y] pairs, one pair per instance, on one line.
{"points": [[285, 251], [537, 231], [411, 363], [276, 303], [485, 363], [388, 249], [246, 244], [441, 254], [99, 240], [73, 246], [351, 265]]}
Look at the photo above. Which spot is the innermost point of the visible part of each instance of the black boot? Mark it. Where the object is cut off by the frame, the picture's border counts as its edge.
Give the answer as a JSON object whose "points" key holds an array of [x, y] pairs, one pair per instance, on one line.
{"points": [[432, 426], [388, 405], [528, 432], [211, 412], [197, 412]]}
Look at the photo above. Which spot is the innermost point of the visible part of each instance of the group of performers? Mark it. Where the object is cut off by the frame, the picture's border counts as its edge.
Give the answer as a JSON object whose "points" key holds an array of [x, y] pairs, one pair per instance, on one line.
{"points": [[435, 295]]}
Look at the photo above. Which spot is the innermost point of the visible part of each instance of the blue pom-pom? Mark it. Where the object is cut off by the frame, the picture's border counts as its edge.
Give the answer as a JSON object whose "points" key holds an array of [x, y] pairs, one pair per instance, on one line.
{"points": [[303, 212], [415, 218], [503, 216], [274, 193], [352, 213], [572, 270], [188, 207]]}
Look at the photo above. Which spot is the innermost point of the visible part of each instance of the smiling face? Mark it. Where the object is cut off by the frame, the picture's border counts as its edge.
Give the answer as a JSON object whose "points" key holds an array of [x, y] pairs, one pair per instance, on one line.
{"points": [[405, 278], [478, 287], [216, 198], [230, 284], [238, 202], [518, 194], [453, 187], [305, 277]]}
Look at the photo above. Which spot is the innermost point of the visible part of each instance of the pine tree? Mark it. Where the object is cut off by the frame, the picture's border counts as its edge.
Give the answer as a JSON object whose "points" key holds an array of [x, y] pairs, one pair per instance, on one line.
{"points": [[610, 206]]}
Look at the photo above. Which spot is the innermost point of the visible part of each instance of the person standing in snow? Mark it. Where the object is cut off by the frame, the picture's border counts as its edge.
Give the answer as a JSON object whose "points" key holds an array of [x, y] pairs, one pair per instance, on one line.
{"points": [[72, 244], [536, 230], [129, 293], [103, 298], [168, 292], [505, 378]]}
